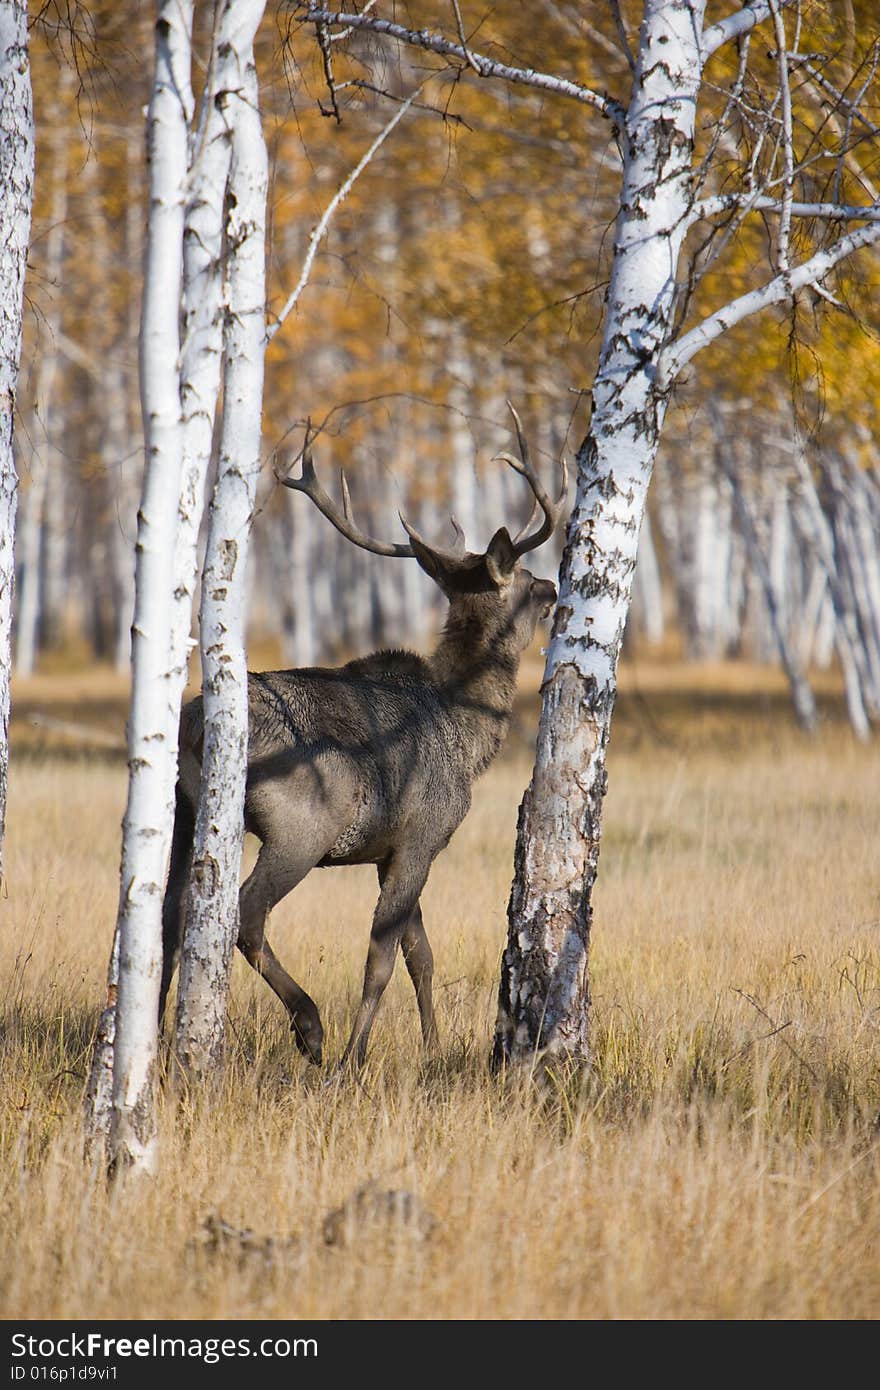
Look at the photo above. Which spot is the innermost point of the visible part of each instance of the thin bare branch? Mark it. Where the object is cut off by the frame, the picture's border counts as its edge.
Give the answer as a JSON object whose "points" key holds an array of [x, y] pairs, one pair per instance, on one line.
{"points": [[851, 116], [755, 202], [339, 197], [344, 33], [848, 154], [783, 235], [839, 99], [461, 34], [775, 291], [737, 25], [322, 34], [486, 67], [578, 27], [720, 133], [622, 36]]}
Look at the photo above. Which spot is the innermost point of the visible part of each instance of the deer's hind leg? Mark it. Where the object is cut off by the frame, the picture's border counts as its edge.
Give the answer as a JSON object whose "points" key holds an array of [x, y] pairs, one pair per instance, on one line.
{"points": [[420, 963], [273, 876]]}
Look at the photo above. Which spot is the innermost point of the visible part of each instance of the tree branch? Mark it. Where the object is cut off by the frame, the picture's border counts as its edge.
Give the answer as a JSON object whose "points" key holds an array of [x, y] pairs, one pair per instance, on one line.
{"points": [[754, 202], [783, 235], [486, 67], [776, 291], [735, 26], [339, 196], [323, 36], [461, 34], [838, 99], [622, 36], [344, 33]]}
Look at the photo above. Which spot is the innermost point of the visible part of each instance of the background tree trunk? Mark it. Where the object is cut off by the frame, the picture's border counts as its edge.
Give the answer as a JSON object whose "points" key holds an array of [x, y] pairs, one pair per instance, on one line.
{"points": [[44, 415], [801, 694], [16, 201]]}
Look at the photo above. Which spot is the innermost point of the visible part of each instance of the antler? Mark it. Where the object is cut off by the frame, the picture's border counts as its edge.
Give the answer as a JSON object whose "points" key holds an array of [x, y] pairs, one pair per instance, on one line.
{"points": [[344, 521], [552, 511]]}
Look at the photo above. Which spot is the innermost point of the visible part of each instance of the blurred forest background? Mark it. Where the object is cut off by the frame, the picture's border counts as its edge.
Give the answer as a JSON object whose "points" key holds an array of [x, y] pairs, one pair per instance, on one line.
{"points": [[467, 266]]}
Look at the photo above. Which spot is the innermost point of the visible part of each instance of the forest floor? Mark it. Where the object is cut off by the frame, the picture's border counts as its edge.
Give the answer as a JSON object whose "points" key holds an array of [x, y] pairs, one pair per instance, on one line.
{"points": [[721, 1160]]}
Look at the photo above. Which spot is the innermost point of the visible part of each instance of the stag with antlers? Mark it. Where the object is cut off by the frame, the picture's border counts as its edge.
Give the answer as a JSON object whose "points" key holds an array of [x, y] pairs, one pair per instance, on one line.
{"points": [[373, 762]]}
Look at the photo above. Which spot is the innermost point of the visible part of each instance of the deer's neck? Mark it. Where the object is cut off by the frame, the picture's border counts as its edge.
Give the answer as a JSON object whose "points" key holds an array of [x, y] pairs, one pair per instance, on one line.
{"points": [[476, 671]]}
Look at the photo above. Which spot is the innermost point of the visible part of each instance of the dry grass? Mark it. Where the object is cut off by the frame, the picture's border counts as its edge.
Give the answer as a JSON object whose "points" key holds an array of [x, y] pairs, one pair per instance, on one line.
{"points": [[722, 1160]]}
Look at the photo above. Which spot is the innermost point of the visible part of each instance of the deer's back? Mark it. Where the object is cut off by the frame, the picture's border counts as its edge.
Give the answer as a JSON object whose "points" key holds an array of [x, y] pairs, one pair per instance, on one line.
{"points": [[369, 749]]}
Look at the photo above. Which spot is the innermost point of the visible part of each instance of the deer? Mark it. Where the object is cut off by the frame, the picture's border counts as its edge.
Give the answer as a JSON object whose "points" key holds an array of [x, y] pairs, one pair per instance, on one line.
{"points": [[373, 762]]}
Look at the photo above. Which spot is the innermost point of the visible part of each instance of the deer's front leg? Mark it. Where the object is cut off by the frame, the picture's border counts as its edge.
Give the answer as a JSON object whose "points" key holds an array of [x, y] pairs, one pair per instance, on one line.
{"points": [[402, 885]]}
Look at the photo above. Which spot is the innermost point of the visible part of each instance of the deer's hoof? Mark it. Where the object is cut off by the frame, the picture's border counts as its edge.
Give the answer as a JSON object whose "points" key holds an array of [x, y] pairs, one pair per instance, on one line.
{"points": [[308, 1034]]}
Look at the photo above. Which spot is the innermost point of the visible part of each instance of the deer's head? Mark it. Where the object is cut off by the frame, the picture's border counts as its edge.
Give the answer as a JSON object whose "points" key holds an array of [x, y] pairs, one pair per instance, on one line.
{"points": [[489, 592]]}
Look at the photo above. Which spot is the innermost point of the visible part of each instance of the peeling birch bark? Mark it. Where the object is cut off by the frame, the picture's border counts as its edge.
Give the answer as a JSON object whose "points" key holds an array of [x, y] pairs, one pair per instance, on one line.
{"points": [[202, 345], [543, 1006], [212, 902], [152, 746]]}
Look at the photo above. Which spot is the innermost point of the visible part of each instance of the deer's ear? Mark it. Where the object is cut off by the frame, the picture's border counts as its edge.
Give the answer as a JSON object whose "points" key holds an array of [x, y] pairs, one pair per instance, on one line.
{"points": [[501, 558]]}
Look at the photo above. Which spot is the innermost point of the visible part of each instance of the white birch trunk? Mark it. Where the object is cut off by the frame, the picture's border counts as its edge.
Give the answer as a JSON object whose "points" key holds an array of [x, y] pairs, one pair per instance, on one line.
{"points": [[152, 745], [128, 479], [543, 997], [668, 493], [27, 549], [292, 575], [811, 617], [648, 586], [113, 552], [42, 428], [202, 345], [16, 201], [212, 905], [464, 478], [857, 543], [388, 617], [707, 543], [801, 694], [825, 625], [817, 534], [55, 579], [322, 608], [780, 554]]}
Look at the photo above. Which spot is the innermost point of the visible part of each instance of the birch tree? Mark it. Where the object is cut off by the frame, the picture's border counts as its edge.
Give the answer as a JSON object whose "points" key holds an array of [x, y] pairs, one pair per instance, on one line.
{"points": [[131, 1035], [206, 258], [16, 201], [650, 334], [212, 906], [43, 422], [201, 190]]}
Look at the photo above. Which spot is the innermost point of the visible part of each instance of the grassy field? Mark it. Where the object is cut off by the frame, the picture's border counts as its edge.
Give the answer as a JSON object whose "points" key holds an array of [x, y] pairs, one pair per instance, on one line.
{"points": [[721, 1161]]}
